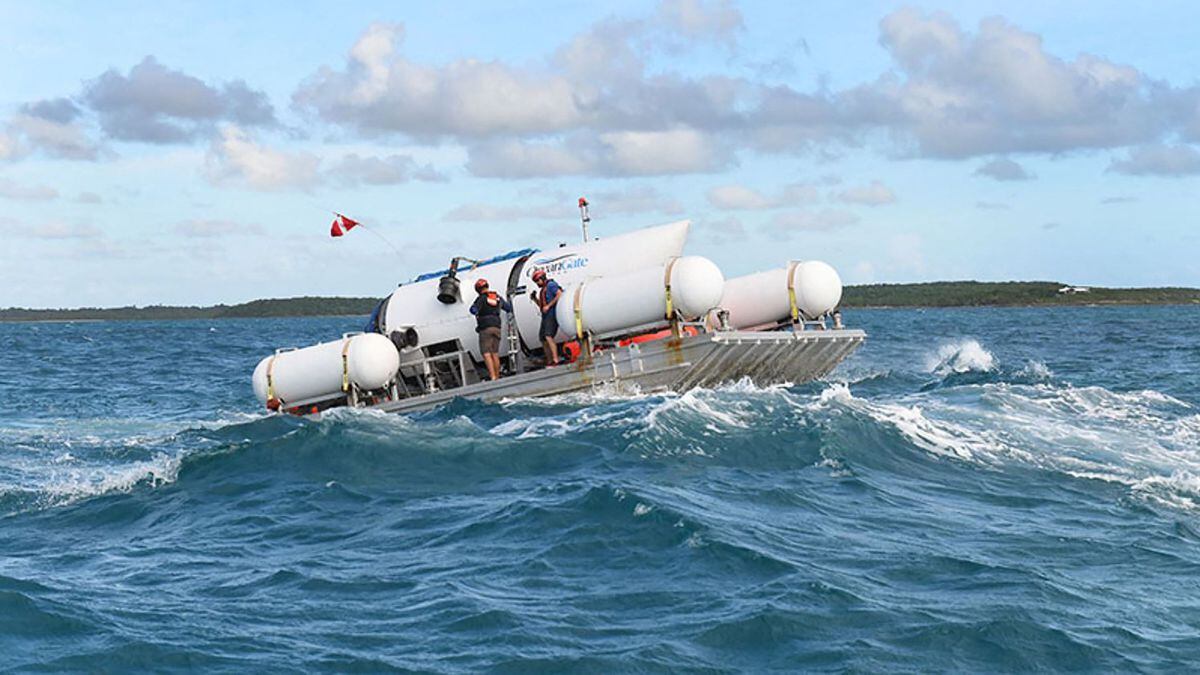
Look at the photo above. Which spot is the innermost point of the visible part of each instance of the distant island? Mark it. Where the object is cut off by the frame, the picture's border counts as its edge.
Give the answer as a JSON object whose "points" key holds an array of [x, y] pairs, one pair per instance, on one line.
{"points": [[1009, 294], [304, 306], [933, 294]]}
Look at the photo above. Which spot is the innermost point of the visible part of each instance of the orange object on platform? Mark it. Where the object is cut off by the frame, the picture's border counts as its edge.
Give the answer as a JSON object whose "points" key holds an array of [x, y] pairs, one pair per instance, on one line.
{"points": [[571, 351], [651, 337]]}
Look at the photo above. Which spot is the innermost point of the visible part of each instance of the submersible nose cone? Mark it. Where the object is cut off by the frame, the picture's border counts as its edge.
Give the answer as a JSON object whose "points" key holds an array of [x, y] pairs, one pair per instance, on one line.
{"points": [[448, 290]]}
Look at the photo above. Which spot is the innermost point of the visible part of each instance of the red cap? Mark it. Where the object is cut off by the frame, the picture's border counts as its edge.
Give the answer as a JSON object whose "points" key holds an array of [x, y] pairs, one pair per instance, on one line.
{"points": [[480, 285], [582, 202], [539, 274]]}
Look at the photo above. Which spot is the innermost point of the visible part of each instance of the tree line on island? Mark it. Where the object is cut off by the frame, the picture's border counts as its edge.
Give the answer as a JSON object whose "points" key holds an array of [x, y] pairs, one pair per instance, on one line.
{"points": [[932, 294]]}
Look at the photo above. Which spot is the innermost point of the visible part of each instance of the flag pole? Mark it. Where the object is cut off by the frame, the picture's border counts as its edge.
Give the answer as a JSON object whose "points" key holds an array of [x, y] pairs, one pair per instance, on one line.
{"points": [[369, 229]]}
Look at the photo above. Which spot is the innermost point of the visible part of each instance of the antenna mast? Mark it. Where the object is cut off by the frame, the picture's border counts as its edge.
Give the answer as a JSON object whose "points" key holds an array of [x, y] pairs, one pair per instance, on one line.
{"points": [[584, 218]]}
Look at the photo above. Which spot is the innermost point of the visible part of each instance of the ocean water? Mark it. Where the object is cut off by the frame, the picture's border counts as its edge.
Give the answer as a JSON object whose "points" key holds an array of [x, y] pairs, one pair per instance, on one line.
{"points": [[974, 490]]}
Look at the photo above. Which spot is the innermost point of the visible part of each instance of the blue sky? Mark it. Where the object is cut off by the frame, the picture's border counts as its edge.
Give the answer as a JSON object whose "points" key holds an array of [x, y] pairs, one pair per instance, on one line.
{"points": [[190, 152]]}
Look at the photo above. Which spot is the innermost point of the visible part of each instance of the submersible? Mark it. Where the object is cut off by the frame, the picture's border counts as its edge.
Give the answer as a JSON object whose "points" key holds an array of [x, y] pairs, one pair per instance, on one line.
{"points": [[635, 312]]}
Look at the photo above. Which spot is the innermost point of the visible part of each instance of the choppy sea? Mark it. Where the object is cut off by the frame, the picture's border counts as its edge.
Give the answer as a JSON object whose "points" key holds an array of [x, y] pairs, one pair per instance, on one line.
{"points": [[974, 490]]}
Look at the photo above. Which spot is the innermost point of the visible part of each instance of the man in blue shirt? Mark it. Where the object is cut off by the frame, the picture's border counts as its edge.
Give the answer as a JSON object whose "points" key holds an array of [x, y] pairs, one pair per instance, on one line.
{"points": [[547, 300]]}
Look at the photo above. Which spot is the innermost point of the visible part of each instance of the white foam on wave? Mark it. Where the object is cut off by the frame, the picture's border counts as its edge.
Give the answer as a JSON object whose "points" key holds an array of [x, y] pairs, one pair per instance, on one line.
{"points": [[77, 484], [1036, 370], [599, 394], [850, 375], [720, 410], [556, 426], [697, 402], [963, 356], [1146, 440], [1151, 410], [65, 461], [938, 437]]}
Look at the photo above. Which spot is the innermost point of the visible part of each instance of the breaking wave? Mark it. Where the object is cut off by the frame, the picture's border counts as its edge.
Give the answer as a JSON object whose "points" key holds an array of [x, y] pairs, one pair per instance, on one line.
{"points": [[1145, 440], [964, 356]]}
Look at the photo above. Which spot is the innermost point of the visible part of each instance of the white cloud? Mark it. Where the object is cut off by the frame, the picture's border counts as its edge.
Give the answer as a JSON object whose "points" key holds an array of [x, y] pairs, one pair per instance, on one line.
{"points": [[723, 231], [1159, 160], [517, 159], [646, 153], [632, 153], [863, 272], [508, 212], [354, 169], [595, 107], [65, 140], [1003, 168], [636, 199], [740, 197], [205, 229], [11, 190], [718, 20], [875, 194], [787, 223], [381, 91], [8, 146], [59, 230], [733, 197], [906, 252], [151, 104], [156, 104], [632, 200], [991, 206], [235, 157], [998, 90]]}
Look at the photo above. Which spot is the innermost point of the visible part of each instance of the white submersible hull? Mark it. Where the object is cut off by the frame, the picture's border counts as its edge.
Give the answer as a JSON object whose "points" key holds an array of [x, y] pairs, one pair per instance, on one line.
{"points": [[634, 313]]}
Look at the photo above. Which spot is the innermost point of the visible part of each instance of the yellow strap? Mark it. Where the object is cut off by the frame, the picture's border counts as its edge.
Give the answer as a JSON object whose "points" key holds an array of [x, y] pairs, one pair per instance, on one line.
{"points": [[346, 365], [579, 311], [667, 284], [792, 290], [271, 378]]}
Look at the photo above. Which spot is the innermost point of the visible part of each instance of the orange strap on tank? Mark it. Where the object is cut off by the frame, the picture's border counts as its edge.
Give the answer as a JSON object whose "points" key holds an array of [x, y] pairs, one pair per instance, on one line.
{"points": [[579, 311], [346, 364], [667, 285], [791, 271]]}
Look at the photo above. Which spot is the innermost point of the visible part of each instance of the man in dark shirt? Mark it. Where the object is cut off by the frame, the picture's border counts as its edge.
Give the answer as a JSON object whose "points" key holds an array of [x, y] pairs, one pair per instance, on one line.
{"points": [[486, 309], [547, 300]]}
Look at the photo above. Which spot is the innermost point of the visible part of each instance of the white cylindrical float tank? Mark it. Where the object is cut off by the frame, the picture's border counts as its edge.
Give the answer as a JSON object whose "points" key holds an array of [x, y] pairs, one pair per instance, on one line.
{"points": [[415, 304], [316, 373], [762, 298], [614, 303], [818, 288]]}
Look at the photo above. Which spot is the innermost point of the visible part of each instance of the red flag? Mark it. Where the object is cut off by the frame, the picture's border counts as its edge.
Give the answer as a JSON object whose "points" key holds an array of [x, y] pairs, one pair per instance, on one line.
{"points": [[341, 225]]}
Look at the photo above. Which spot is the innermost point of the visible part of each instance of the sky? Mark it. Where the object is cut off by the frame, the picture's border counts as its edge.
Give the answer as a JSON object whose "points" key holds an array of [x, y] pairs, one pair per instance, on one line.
{"points": [[193, 153]]}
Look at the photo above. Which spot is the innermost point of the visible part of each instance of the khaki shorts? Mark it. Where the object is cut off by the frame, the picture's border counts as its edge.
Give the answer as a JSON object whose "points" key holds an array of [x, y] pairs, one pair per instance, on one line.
{"points": [[489, 341]]}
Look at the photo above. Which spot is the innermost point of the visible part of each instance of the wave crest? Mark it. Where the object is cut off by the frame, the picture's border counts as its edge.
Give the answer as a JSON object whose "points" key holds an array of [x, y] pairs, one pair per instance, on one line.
{"points": [[963, 356]]}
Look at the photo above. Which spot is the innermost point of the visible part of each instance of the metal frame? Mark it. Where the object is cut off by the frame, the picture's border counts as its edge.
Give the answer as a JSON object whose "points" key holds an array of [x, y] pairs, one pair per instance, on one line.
{"points": [[703, 360]]}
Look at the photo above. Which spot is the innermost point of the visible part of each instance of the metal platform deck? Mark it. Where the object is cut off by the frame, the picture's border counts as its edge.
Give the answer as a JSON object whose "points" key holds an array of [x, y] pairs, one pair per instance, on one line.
{"points": [[678, 364]]}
